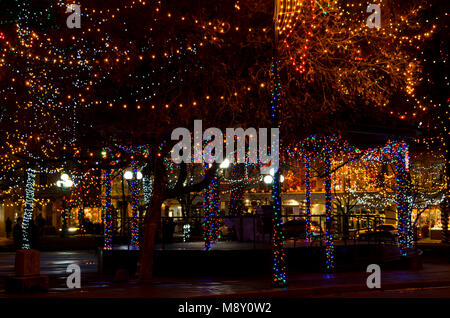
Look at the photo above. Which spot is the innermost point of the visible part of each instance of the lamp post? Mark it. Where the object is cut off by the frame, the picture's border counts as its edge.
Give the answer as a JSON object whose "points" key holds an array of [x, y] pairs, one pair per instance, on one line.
{"points": [[225, 164], [126, 175], [268, 179], [132, 177], [129, 175], [64, 183], [279, 278]]}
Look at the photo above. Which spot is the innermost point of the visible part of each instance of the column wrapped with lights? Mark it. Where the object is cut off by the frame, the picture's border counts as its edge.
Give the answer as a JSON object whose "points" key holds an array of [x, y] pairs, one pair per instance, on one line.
{"points": [[107, 221], [134, 207], [308, 198], [279, 278], [28, 210], [404, 204], [445, 205], [329, 239], [397, 153], [147, 185], [211, 222]]}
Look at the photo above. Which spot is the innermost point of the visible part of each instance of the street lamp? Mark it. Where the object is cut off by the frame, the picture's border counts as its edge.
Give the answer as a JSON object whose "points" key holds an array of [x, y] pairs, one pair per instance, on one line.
{"points": [[225, 164], [64, 183], [132, 178], [128, 175], [268, 179]]}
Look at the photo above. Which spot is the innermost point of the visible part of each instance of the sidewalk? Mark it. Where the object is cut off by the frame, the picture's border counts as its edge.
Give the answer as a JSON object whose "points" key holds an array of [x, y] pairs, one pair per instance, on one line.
{"points": [[6, 243], [300, 285], [58, 243]]}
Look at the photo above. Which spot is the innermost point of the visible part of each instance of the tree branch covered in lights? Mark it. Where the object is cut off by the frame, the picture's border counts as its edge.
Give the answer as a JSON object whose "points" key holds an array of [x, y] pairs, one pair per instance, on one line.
{"points": [[334, 64]]}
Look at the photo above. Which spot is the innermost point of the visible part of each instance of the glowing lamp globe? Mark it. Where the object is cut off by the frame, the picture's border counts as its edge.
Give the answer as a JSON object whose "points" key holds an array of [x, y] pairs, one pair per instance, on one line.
{"points": [[268, 179], [128, 175], [225, 164]]}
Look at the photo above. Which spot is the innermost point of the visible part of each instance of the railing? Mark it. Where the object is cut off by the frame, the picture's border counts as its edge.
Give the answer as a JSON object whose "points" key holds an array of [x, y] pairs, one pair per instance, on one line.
{"points": [[255, 230]]}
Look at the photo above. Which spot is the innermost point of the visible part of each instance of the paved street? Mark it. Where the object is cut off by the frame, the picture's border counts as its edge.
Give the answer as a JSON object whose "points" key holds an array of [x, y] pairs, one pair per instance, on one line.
{"points": [[432, 281], [428, 292], [53, 264]]}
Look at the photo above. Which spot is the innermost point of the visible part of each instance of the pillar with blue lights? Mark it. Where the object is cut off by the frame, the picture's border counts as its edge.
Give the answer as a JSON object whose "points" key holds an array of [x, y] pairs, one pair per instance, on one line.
{"points": [[107, 221], [329, 239], [134, 185], [211, 221], [308, 197], [279, 277]]}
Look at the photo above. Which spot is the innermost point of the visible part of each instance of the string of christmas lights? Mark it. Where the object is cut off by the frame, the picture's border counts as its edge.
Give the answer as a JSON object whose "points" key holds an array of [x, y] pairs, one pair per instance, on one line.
{"points": [[329, 237], [279, 276], [107, 211], [308, 198], [28, 211], [134, 206], [147, 188], [327, 147], [211, 220], [404, 204]]}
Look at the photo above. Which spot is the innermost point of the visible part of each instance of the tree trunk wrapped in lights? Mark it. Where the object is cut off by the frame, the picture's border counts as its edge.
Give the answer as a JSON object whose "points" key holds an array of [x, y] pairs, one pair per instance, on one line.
{"points": [[211, 221], [308, 198], [444, 219], [398, 152], [134, 187], [279, 275], [28, 210], [329, 239], [107, 212], [445, 206], [147, 186]]}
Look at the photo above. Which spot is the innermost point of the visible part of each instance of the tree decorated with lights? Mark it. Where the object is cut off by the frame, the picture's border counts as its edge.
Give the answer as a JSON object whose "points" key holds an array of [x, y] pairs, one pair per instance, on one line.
{"points": [[334, 63], [157, 75], [426, 188], [136, 70], [434, 118], [40, 125], [319, 153]]}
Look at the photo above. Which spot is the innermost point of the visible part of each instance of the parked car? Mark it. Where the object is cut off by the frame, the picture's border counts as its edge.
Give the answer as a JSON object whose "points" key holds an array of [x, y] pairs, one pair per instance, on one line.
{"points": [[383, 233], [297, 229]]}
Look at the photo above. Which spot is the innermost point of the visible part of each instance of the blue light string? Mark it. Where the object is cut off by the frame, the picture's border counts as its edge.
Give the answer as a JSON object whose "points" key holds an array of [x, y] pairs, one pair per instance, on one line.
{"points": [[134, 207], [107, 222], [28, 210]]}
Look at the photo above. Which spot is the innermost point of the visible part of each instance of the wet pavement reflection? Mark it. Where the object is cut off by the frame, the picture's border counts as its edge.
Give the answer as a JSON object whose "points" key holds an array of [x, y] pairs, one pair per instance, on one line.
{"points": [[54, 264]]}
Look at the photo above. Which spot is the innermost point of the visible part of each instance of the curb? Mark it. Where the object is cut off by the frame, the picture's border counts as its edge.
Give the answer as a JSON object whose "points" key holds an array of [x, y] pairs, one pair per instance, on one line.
{"points": [[328, 290]]}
